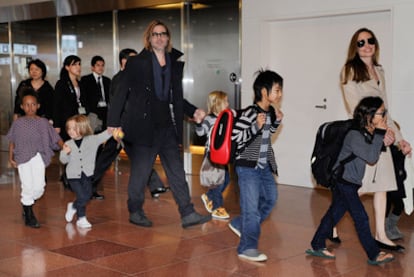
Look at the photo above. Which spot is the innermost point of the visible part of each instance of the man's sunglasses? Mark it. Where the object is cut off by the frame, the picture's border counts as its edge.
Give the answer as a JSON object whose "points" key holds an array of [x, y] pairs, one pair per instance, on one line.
{"points": [[361, 43]]}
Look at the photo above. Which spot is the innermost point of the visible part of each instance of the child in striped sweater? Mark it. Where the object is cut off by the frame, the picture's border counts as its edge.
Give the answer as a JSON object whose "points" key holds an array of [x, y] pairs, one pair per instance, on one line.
{"points": [[213, 199]]}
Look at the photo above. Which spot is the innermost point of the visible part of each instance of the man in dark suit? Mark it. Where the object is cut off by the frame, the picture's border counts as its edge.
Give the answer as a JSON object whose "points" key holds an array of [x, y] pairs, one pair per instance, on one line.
{"points": [[96, 89]]}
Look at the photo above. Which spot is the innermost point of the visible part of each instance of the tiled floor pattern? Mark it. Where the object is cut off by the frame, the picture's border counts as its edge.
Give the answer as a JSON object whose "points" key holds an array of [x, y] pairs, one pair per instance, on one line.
{"points": [[114, 247]]}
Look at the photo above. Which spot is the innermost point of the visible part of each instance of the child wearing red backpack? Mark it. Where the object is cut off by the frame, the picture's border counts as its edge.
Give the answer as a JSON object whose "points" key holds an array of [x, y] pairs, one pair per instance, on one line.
{"points": [[213, 199]]}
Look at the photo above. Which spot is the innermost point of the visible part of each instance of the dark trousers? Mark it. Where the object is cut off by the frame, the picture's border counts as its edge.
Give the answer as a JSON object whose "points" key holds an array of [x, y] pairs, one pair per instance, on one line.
{"points": [[106, 155], [83, 190], [142, 158], [345, 198]]}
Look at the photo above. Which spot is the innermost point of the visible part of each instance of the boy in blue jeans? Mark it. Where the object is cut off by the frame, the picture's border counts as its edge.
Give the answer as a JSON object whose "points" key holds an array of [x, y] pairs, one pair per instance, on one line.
{"points": [[255, 162]]}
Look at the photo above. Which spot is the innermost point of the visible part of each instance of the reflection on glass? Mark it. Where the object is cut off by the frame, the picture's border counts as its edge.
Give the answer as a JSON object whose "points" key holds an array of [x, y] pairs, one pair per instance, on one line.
{"points": [[5, 95], [87, 36], [69, 46]]}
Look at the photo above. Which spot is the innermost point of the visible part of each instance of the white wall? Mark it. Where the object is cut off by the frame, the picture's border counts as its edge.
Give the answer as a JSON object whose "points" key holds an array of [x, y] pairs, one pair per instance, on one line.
{"points": [[258, 19]]}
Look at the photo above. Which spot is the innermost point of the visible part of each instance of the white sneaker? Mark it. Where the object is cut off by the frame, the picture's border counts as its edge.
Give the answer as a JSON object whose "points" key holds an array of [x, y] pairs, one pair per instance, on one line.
{"points": [[235, 230], [83, 223], [253, 255], [70, 212]]}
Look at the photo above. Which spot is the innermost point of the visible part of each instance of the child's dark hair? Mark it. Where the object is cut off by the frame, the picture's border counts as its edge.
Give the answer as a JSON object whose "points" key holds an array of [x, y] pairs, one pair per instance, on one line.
{"points": [[28, 91], [265, 79], [366, 109]]}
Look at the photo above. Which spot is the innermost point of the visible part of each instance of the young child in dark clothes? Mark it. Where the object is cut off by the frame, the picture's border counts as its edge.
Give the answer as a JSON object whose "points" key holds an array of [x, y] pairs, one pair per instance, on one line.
{"points": [[32, 141], [365, 141]]}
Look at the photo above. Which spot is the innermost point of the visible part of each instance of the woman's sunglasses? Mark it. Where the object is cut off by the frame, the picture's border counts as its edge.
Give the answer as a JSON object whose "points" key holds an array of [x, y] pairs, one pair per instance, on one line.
{"points": [[361, 43]]}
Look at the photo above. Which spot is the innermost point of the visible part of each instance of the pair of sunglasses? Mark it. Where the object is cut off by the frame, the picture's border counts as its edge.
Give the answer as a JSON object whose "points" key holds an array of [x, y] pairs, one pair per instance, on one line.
{"points": [[383, 114], [361, 43]]}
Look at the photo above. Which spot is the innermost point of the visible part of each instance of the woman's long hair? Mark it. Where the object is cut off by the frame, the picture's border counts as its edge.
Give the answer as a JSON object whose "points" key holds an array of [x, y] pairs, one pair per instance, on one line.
{"points": [[354, 68]]}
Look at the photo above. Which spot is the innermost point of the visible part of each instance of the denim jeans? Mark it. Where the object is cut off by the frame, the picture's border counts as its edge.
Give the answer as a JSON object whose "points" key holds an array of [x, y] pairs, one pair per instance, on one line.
{"points": [[345, 198], [258, 195], [216, 194], [83, 190]]}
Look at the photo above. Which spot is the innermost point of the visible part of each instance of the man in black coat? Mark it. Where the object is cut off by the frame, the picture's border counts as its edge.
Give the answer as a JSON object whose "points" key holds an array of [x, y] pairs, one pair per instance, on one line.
{"points": [[150, 109], [111, 149]]}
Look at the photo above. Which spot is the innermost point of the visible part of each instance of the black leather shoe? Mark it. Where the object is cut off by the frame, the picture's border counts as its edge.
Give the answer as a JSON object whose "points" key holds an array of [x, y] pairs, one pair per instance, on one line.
{"points": [[397, 247], [156, 192], [97, 196]]}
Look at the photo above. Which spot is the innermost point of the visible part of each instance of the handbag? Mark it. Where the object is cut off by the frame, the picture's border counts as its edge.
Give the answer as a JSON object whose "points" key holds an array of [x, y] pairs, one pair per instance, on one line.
{"points": [[211, 175]]}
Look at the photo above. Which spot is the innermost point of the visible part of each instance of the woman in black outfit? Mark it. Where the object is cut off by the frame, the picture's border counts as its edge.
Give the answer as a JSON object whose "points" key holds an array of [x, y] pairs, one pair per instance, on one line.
{"points": [[36, 81], [68, 100]]}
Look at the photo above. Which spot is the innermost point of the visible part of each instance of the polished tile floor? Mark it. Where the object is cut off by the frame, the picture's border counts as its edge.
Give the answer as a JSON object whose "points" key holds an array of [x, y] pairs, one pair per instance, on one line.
{"points": [[114, 247]]}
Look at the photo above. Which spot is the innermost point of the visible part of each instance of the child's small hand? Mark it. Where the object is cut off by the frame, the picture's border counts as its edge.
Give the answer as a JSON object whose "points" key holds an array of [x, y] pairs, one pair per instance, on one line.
{"points": [[66, 149], [199, 115], [118, 134], [260, 120]]}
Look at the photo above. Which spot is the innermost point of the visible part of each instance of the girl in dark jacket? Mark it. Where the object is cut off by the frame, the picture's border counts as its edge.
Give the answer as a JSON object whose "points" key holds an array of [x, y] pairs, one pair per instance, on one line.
{"points": [[365, 142]]}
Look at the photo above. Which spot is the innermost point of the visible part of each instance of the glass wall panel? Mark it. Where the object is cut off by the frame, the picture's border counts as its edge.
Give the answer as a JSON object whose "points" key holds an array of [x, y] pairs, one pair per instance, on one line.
{"points": [[34, 39], [213, 53], [132, 24], [87, 36], [213, 49], [5, 85]]}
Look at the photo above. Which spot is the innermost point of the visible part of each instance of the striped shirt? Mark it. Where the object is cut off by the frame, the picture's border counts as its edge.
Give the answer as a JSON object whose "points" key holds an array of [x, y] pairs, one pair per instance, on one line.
{"points": [[248, 137], [204, 128]]}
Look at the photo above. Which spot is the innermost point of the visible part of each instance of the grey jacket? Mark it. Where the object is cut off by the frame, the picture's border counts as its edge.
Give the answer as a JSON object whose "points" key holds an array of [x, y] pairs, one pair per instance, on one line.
{"points": [[82, 159], [367, 149]]}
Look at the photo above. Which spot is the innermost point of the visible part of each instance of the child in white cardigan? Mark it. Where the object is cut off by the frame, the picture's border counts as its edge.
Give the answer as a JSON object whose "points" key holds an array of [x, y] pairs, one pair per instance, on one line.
{"points": [[79, 153]]}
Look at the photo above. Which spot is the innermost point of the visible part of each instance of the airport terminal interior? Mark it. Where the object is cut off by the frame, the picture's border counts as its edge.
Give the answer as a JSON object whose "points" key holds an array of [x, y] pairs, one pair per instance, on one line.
{"points": [[209, 33]]}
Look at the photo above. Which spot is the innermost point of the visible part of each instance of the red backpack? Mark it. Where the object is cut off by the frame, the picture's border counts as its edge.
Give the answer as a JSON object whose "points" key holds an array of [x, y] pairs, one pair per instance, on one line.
{"points": [[220, 139]]}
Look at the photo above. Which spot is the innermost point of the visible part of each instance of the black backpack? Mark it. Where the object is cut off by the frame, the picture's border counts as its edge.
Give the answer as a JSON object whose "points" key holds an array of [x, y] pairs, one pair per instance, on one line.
{"points": [[328, 144]]}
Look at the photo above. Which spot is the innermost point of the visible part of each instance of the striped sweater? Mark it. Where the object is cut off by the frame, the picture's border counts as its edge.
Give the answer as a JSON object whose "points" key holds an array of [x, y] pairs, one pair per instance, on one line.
{"points": [[203, 129], [248, 138]]}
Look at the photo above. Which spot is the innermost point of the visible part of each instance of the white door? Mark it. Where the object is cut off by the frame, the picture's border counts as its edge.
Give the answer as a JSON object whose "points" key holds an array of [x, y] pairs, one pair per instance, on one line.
{"points": [[309, 54]]}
